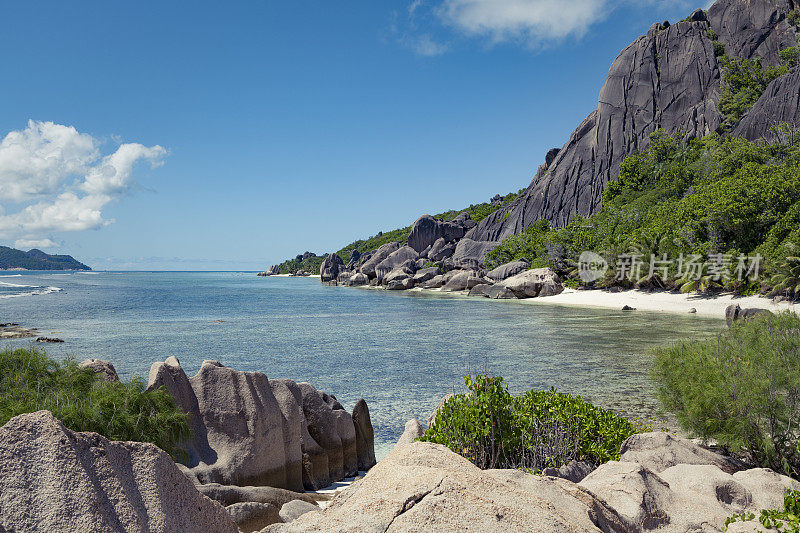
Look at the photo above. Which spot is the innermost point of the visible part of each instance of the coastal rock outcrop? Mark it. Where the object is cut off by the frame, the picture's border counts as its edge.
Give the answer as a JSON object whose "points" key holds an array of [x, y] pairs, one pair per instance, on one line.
{"points": [[329, 270], [365, 435], [669, 79], [404, 257], [534, 283], [441, 250], [54, 479], [427, 230], [248, 430]]}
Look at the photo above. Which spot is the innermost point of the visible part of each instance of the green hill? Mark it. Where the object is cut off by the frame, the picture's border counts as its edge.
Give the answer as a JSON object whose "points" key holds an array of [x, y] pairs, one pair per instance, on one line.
{"points": [[37, 260]]}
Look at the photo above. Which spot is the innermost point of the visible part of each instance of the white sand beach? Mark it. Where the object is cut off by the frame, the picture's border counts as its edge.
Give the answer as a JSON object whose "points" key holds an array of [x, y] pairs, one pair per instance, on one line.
{"points": [[664, 302]]}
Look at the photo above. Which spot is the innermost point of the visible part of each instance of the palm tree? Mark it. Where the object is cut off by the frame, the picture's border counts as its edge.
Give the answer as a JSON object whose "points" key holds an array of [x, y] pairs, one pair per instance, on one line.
{"points": [[787, 276]]}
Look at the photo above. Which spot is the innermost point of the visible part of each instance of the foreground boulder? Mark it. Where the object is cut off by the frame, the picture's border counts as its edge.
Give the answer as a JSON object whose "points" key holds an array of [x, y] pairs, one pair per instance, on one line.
{"points": [[534, 283], [369, 265], [53, 479], [250, 431], [685, 498], [422, 486], [658, 451]]}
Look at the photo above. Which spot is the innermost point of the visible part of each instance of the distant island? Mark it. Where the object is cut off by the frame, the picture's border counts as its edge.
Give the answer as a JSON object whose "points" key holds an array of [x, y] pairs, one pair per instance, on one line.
{"points": [[12, 259]]}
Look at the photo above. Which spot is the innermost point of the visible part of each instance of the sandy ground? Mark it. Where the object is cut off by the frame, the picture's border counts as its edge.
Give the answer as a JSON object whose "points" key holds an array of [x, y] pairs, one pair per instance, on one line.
{"points": [[664, 302]]}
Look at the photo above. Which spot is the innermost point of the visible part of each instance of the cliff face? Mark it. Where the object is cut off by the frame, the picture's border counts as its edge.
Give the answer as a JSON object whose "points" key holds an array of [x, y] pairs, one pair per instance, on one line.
{"points": [[669, 79]]}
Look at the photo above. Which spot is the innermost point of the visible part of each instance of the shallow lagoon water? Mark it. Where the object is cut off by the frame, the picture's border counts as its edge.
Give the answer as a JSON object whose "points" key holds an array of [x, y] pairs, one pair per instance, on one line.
{"points": [[401, 351]]}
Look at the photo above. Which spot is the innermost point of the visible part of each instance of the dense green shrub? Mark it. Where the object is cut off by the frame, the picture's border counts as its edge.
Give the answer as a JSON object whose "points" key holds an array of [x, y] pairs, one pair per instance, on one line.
{"points": [[743, 83], [31, 381], [716, 195], [741, 388], [538, 429], [786, 520]]}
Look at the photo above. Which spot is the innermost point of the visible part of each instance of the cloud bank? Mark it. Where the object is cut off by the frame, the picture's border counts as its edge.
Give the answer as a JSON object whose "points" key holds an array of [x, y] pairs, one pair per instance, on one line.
{"points": [[58, 180]]}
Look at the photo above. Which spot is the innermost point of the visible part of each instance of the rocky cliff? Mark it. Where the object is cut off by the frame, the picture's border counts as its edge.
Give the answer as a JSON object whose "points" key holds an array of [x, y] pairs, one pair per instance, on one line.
{"points": [[669, 79]]}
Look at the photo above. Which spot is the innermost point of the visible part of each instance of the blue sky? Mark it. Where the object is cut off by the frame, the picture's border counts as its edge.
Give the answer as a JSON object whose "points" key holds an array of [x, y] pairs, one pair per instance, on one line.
{"points": [[231, 135]]}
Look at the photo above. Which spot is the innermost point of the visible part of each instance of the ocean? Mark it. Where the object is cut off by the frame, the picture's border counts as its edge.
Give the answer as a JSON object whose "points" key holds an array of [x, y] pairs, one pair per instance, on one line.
{"points": [[401, 351]]}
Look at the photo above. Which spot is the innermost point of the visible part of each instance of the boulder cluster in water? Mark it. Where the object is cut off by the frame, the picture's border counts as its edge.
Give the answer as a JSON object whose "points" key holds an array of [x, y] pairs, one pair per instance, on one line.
{"points": [[459, 265]]}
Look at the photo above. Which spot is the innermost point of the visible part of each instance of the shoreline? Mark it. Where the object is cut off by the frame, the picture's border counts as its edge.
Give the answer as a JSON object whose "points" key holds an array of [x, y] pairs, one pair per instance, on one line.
{"points": [[656, 301]]}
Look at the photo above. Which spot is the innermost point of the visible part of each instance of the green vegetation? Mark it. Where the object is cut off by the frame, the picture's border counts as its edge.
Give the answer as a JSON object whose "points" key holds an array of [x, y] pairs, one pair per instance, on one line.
{"points": [[786, 520], [536, 430], [743, 83], [741, 388], [31, 381], [719, 198], [310, 265], [37, 260]]}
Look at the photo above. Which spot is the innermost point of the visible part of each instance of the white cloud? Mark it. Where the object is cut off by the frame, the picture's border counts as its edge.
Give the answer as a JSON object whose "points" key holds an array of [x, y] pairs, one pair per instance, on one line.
{"points": [[63, 177], [531, 21], [27, 244], [424, 25]]}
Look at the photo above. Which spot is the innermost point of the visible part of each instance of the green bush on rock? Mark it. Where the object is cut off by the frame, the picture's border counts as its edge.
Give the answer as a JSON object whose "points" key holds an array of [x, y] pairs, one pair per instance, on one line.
{"points": [[31, 381], [786, 520], [536, 430], [741, 388]]}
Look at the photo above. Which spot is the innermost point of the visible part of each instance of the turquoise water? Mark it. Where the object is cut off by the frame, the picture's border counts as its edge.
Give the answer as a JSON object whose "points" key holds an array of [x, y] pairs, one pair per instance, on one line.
{"points": [[401, 351]]}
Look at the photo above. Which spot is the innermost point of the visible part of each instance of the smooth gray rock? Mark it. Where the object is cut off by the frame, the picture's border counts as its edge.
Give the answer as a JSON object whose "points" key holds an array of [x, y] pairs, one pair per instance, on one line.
{"points": [[398, 274], [658, 451], [365, 436], [411, 433], [357, 280], [499, 292], [471, 254], [435, 282], [441, 250], [462, 280], [295, 509], [402, 257], [323, 428], [751, 28], [734, 312], [329, 270], [573, 471], [53, 479], [355, 258], [534, 283], [103, 369], [228, 495], [465, 220], [400, 285], [480, 290], [779, 104], [376, 257], [426, 274], [253, 516], [507, 270], [316, 474], [427, 230]]}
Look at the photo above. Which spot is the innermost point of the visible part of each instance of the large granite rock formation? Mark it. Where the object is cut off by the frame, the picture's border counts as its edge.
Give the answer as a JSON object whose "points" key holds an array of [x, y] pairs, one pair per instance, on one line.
{"points": [[668, 78], [54, 479], [369, 265], [248, 430], [534, 283], [427, 230]]}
